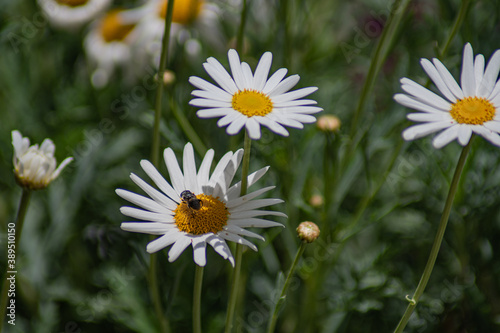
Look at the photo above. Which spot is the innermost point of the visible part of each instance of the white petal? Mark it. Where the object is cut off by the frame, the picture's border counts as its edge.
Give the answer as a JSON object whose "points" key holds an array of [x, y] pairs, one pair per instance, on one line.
{"points": [[199, 251], [176, 176], [493, 125], [464, 134], [220, 75], [152, 228], [255, 204], [247, 75], [274, 80], [421, 130], [204, 171], [143, 202], [437, 79], [236, 126], [162, 184], [253, 222], [220, 167], [207, 86], [229, 118], [253, 128], [297, 102], [163, 241], [60, 168], [412, 103], [284, 86], [242, 232], [296, 109], [145, 215], [450, 81], [214, 113], [429, 117], [296, 94], [489, 135], [274, 126], [247, 197], [490, 75], [235, 190], [223, 96], [236, 239], [248, 214], [445, 137], [235, 64], [179, 246], [262, 71], [209, 103], [468, 80], [220, 247], [189, 165], [424, 95], [479, 72]]}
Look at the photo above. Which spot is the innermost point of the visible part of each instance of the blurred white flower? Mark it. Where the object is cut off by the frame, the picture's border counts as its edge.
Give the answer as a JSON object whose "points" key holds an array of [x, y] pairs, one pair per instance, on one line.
{"points": [[72, 14], [199, 208], [35, 167], [250, 100], [471, 108], [109, 43]]}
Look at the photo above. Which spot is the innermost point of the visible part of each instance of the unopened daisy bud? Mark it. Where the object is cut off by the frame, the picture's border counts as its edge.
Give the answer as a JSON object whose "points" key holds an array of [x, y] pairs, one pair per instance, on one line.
{"points": [[308, 231], [35, 167], [328, 123], [316, 200], [168, 77]]}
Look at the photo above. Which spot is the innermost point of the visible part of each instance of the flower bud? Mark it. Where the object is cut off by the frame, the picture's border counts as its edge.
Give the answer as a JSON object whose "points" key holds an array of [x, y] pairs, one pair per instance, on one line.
{"points": [[308, 231], [35, 167], [316, 200], [328, 123]]}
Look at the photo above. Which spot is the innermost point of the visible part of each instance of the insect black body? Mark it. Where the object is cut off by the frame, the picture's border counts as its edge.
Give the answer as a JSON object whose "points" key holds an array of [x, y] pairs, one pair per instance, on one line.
{"points": [[191, 200]]}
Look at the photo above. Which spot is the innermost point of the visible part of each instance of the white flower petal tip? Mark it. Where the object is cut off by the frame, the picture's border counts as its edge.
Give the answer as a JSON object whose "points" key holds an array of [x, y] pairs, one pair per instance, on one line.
{"points": [[248, 100], [34, 166], [468, 108], [197, 208], [67, 16]]}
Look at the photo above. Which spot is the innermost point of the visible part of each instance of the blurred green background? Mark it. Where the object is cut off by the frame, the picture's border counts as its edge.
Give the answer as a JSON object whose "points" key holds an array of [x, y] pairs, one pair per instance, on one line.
{"points": [[79, 272]]}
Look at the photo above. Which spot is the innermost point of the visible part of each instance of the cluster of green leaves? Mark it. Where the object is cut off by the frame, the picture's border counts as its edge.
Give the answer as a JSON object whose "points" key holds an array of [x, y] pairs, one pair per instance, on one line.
{"points": [[79, 272]]}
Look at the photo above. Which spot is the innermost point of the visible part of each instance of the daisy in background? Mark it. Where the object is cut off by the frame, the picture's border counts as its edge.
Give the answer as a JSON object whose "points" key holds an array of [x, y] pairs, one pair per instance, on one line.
{"points": [[72, 14], [34, 166], [466, 109], [250, 100], [110, 41], [197, 208], [191, 20]]}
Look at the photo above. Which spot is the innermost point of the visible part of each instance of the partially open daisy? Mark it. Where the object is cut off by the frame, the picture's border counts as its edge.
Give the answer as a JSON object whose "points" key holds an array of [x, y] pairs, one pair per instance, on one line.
{"points": [[34, 166], [109, 43], [198, 208], [251, 100], [72, 13], [471, 108]]}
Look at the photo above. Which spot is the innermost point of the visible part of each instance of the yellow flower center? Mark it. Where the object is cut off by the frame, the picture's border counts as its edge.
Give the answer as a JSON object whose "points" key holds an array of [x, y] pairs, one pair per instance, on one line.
{"points": [[211, 217], [473, 110], [185, 11], [72, 3], [252, 103], [112, 29]]}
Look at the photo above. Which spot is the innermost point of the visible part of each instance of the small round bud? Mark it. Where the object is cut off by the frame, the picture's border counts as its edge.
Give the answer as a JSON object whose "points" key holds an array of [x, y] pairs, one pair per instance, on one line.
{"points": [[168, 77], [308, 231], [328, 123], [316, 200]]}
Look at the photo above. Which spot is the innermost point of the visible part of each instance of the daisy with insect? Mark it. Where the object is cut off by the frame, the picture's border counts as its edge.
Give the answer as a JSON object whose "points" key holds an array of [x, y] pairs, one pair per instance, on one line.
{"points": [[198, 208]]}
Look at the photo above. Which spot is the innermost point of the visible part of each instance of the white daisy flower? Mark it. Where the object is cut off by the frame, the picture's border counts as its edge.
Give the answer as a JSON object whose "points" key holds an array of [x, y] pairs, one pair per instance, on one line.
{"points": [[190, 18], [109, 43], [471, 108], [35, 167], [198, 208], [72, 14], [251, 100]]}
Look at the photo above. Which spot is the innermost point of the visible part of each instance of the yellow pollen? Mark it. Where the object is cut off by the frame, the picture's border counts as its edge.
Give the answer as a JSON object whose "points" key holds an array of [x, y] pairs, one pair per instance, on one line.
{"points": [[72, 3], [473, 110], [252, 103], [185, 11], [211, 217], [112, 29]]}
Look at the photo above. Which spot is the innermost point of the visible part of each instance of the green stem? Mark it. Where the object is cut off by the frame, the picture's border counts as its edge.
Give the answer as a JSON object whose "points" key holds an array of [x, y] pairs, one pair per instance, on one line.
{"points": [[235, 284], [21, 214], [188, 130], [155, 150], [154, 289], [437, 241], [458, 22], [279, 304], [241, 29], [198, 280]]}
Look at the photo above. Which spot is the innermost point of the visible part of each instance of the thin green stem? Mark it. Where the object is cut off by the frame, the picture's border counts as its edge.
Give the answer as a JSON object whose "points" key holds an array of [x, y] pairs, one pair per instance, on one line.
{"points": [[279, 304], [464, 8], [11, 267], [241, 29], [235, 284], [198, 280], [155, 150], [437, 241], [186, 127], [154, 289]]}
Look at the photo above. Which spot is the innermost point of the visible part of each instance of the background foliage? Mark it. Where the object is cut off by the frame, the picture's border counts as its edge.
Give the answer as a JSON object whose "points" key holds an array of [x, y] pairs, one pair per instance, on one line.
{"points": [[79, 272]]}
